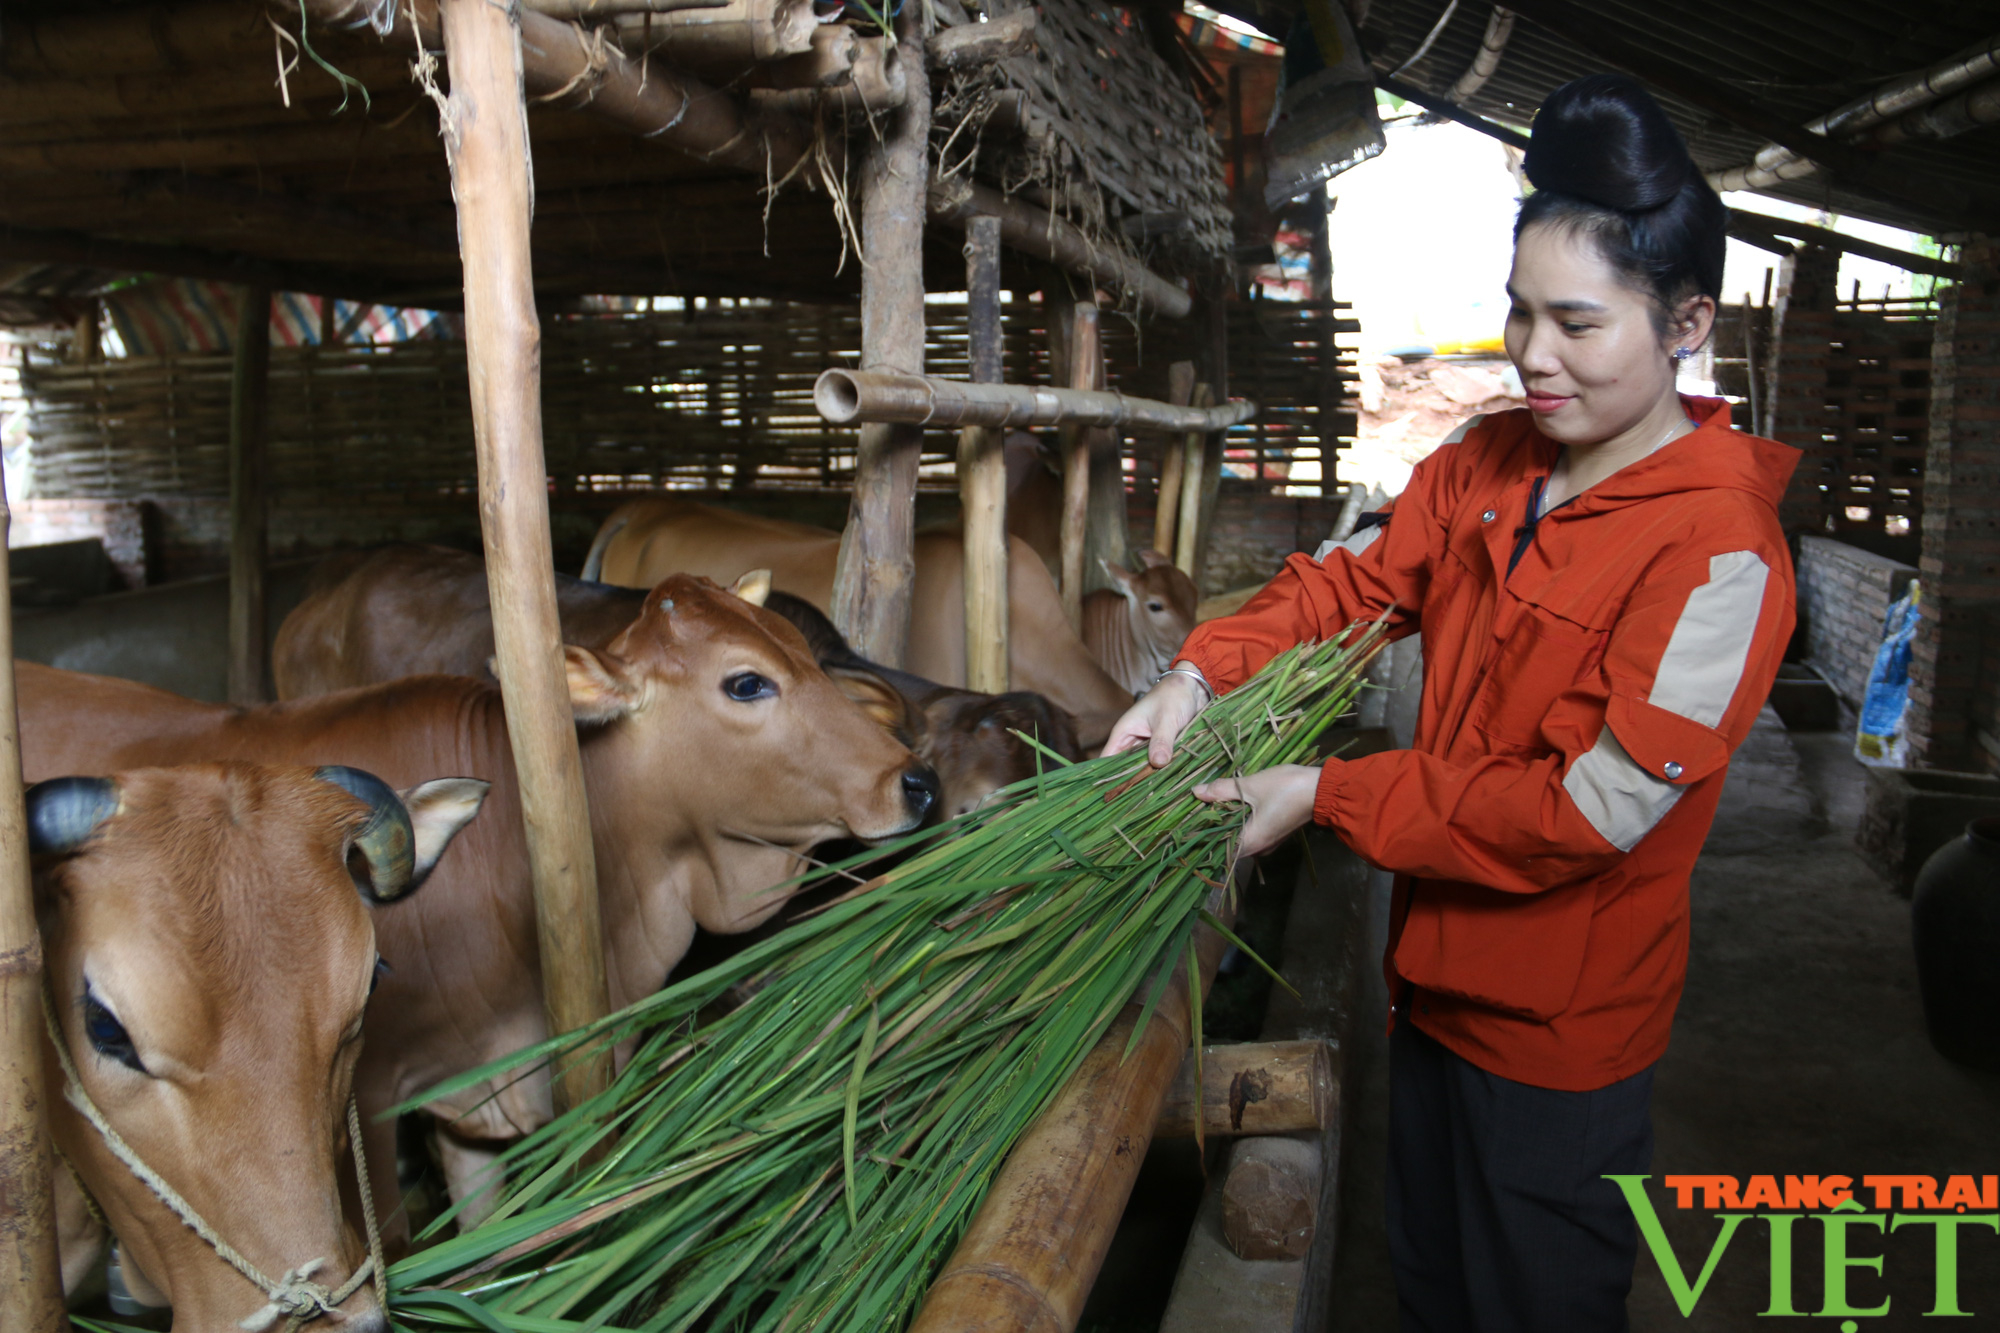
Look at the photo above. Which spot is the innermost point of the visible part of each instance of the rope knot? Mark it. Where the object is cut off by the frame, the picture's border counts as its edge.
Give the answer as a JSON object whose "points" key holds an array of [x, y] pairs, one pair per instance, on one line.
{"points": [[297, 1299]]}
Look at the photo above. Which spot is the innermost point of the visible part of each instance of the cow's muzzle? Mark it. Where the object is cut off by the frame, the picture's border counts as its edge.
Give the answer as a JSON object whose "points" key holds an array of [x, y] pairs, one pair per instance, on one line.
{"points": [[920, 791]]}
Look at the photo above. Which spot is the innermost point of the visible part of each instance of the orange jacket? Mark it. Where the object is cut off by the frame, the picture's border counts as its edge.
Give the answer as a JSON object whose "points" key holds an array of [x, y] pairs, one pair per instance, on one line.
{"points": [[1576, 723]]}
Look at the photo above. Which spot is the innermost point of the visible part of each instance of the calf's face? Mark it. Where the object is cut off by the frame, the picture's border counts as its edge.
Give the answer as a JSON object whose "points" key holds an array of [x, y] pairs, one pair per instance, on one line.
{"points": [[1160, 604], [721, 716], [975, 748], [209, 955]]}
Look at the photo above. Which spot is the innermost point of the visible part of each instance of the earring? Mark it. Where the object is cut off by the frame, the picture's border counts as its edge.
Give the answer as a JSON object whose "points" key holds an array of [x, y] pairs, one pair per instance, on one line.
{"points": [[1683, 353]]}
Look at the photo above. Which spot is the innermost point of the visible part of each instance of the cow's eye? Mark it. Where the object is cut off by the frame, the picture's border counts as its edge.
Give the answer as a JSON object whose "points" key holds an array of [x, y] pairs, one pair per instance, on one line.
{"points": [[1156, 606], [107, 1035], [382, 969], [747, 685]]}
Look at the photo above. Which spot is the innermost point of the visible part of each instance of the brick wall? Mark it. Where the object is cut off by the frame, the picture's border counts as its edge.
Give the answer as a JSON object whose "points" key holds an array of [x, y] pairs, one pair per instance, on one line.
{"points": [[1954, 689], [1799, 415], [1844, 592], [1253, 532]]}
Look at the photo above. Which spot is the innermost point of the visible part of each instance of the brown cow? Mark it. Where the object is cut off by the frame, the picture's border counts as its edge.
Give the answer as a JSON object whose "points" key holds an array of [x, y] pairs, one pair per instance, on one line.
{"points": [[714, 752], [210, 950], [407, 610], [1135, 627], [968, 737], [1044, 653]]}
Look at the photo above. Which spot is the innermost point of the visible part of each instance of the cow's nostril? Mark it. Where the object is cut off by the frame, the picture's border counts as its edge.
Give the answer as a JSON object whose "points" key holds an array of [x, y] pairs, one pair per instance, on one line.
{"points": [[920, 789]]}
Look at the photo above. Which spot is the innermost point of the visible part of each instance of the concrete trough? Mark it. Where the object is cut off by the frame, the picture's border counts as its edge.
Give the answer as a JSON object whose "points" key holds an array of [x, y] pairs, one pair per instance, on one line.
{"points": [[1910, 813]]}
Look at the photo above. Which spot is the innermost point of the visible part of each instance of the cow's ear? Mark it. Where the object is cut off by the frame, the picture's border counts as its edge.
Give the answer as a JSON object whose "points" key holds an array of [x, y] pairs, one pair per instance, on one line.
{"points": [[881, 701], [439, 809], [1120, 575], [1150, 559], [753, 587], [598, 690]]}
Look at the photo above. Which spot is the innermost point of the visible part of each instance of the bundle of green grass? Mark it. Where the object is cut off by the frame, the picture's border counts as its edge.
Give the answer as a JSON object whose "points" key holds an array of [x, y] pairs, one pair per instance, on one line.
{"points": [[808, 1160]]}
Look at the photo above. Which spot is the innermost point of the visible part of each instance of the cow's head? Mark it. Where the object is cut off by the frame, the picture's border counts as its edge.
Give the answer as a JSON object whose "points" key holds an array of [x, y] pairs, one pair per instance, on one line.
{"points": [[973, 745], [1160, 604], [209, 955], [720, 716]]}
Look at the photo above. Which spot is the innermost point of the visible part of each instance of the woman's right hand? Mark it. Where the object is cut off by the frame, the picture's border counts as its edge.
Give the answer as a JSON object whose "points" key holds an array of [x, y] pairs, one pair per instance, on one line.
{"points": [[1159, 719]]}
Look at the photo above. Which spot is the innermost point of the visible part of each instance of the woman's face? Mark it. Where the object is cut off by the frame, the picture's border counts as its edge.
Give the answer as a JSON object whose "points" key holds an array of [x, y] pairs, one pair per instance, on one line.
{"points": [[1591, 359]]}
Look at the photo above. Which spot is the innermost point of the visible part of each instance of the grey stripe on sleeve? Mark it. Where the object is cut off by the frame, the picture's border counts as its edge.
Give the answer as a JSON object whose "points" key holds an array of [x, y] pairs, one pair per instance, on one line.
{"points": [[1705, 658], [1621, 800], [1354, 545], [1698, 676]]}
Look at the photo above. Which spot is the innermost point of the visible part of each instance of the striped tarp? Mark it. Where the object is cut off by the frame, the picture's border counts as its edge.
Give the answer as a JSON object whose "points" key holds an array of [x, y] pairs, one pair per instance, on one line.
{"points": [[170, 315]]}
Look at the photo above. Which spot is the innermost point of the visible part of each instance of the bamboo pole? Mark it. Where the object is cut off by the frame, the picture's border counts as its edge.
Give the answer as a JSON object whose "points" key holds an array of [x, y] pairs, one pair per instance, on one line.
{"points": [[1086, 364], [982, 474], [1032, 1252], [31, 1290], [1194, 455], [1167, 502], [1259, 1087], [845, 397], [486, 141], [249, 394], [875, 570]]}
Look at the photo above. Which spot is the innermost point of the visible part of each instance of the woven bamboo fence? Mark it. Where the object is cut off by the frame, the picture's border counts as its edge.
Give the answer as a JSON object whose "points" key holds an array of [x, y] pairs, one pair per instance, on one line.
{"points": [[713, 399]]}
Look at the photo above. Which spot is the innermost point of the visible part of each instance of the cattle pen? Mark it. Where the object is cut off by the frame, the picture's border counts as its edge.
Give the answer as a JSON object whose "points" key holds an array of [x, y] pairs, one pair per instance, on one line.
{"points": [[302, 276]]}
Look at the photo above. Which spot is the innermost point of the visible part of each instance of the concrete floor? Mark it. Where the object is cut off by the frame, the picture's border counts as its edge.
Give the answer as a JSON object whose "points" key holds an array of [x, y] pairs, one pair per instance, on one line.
{"points": [[1799, 1049]]}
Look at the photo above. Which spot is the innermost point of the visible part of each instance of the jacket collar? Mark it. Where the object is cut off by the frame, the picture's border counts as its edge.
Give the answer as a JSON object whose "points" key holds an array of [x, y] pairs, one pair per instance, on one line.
{"points": [[1714, 456]]}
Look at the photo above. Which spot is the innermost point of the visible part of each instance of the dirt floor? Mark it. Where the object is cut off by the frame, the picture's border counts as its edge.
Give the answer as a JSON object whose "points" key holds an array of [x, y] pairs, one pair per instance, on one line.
{"points": [[1799, 1049]]}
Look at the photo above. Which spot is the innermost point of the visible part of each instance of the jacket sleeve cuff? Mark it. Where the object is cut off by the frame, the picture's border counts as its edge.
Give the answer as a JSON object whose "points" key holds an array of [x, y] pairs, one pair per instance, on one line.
{"points": [[1328, 799], [1217, 668]]}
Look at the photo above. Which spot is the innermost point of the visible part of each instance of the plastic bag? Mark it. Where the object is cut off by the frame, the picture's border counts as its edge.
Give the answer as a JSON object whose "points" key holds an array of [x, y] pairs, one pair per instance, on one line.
{"points": [[1325, 119], [1880, 740]]}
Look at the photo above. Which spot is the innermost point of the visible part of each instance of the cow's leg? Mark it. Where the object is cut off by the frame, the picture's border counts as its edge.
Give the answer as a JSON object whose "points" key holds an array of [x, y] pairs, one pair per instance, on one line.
{"points": [[79, 1236], [470, 1171]]}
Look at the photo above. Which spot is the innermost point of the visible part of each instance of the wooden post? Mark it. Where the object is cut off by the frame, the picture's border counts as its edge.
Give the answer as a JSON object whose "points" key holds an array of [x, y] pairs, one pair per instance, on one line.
{"points": [[1173, 458], [1212, 368], [1194, 465], [486, 139], [1107, 533], [1085, 361], [872, 579], [249, 388], [982, 474], [31, 1290]]}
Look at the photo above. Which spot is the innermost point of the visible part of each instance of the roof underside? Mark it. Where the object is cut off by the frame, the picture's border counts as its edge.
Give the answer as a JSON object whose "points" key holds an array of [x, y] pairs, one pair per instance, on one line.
{"points": [[1796, 59], [107, 148]]}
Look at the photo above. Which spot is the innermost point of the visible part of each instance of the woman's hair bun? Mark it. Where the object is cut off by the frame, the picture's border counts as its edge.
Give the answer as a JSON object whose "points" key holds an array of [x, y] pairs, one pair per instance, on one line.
{"points": [[1603, 138]]}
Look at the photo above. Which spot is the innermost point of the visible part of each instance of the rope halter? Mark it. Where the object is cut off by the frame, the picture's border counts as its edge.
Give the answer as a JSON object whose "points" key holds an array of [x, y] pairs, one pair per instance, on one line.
{"points": [[294, 1298]]}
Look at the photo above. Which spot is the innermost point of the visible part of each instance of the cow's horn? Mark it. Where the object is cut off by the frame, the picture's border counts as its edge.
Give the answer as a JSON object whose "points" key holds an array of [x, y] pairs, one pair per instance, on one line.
{"points": [[64, 812], [386, 840]]}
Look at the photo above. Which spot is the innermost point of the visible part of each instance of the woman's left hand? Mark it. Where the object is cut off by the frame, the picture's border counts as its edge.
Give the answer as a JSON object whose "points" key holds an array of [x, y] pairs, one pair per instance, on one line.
{"points": [[1280, 801]]}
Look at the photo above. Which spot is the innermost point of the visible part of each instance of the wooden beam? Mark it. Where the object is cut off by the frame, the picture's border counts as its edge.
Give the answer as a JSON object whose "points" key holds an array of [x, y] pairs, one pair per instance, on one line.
{"points": [[1265, 1087], [31, 1289], [1834, 240], [974, 44], [1438, 106], [486, 138], [34, 245], [982, 474], [1086, 365], [875, 570], [845, 397], [249, 392], [1173, 459], [1035, 232], [1194, 473]]}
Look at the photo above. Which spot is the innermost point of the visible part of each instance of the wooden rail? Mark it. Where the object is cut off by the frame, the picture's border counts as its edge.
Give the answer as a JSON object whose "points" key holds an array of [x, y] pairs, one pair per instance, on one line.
{"points": [[847, 397]]}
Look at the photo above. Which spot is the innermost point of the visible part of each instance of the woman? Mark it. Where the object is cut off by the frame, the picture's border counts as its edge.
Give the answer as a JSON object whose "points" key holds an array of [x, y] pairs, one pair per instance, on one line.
{"points": [[1604, 595]]}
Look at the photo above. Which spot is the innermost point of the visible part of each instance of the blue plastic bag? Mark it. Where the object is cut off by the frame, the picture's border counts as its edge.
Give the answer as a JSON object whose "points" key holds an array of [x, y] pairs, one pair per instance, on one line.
{"points": [[1880, 739]]}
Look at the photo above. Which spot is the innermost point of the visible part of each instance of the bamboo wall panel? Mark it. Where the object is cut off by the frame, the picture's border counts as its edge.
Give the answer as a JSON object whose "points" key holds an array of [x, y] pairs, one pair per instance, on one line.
{"points": [[714, 399], [1874, 426]]}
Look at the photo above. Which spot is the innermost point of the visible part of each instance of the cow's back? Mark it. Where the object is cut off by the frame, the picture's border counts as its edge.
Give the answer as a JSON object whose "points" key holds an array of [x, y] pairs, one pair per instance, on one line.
{"points": [[646, 540]]}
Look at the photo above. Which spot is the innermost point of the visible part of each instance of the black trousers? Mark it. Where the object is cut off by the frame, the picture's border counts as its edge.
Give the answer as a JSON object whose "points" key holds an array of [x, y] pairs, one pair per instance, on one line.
{"points": [[1500, 1220]]}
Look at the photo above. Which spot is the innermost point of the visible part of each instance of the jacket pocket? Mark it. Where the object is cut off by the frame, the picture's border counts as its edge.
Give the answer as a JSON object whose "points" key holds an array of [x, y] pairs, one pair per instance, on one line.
{"points": [[1519, 953], [1541, 659]]}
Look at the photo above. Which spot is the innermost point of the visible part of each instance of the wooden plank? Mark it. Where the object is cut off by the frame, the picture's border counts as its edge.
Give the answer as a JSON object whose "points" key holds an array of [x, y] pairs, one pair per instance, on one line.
{"points": [[248, 522], [486, 138], [1086, 368]]}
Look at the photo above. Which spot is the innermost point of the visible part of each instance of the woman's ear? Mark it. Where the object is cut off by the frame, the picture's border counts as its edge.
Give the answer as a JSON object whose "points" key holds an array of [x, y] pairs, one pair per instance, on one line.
{"points": [[1694, 322]]}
